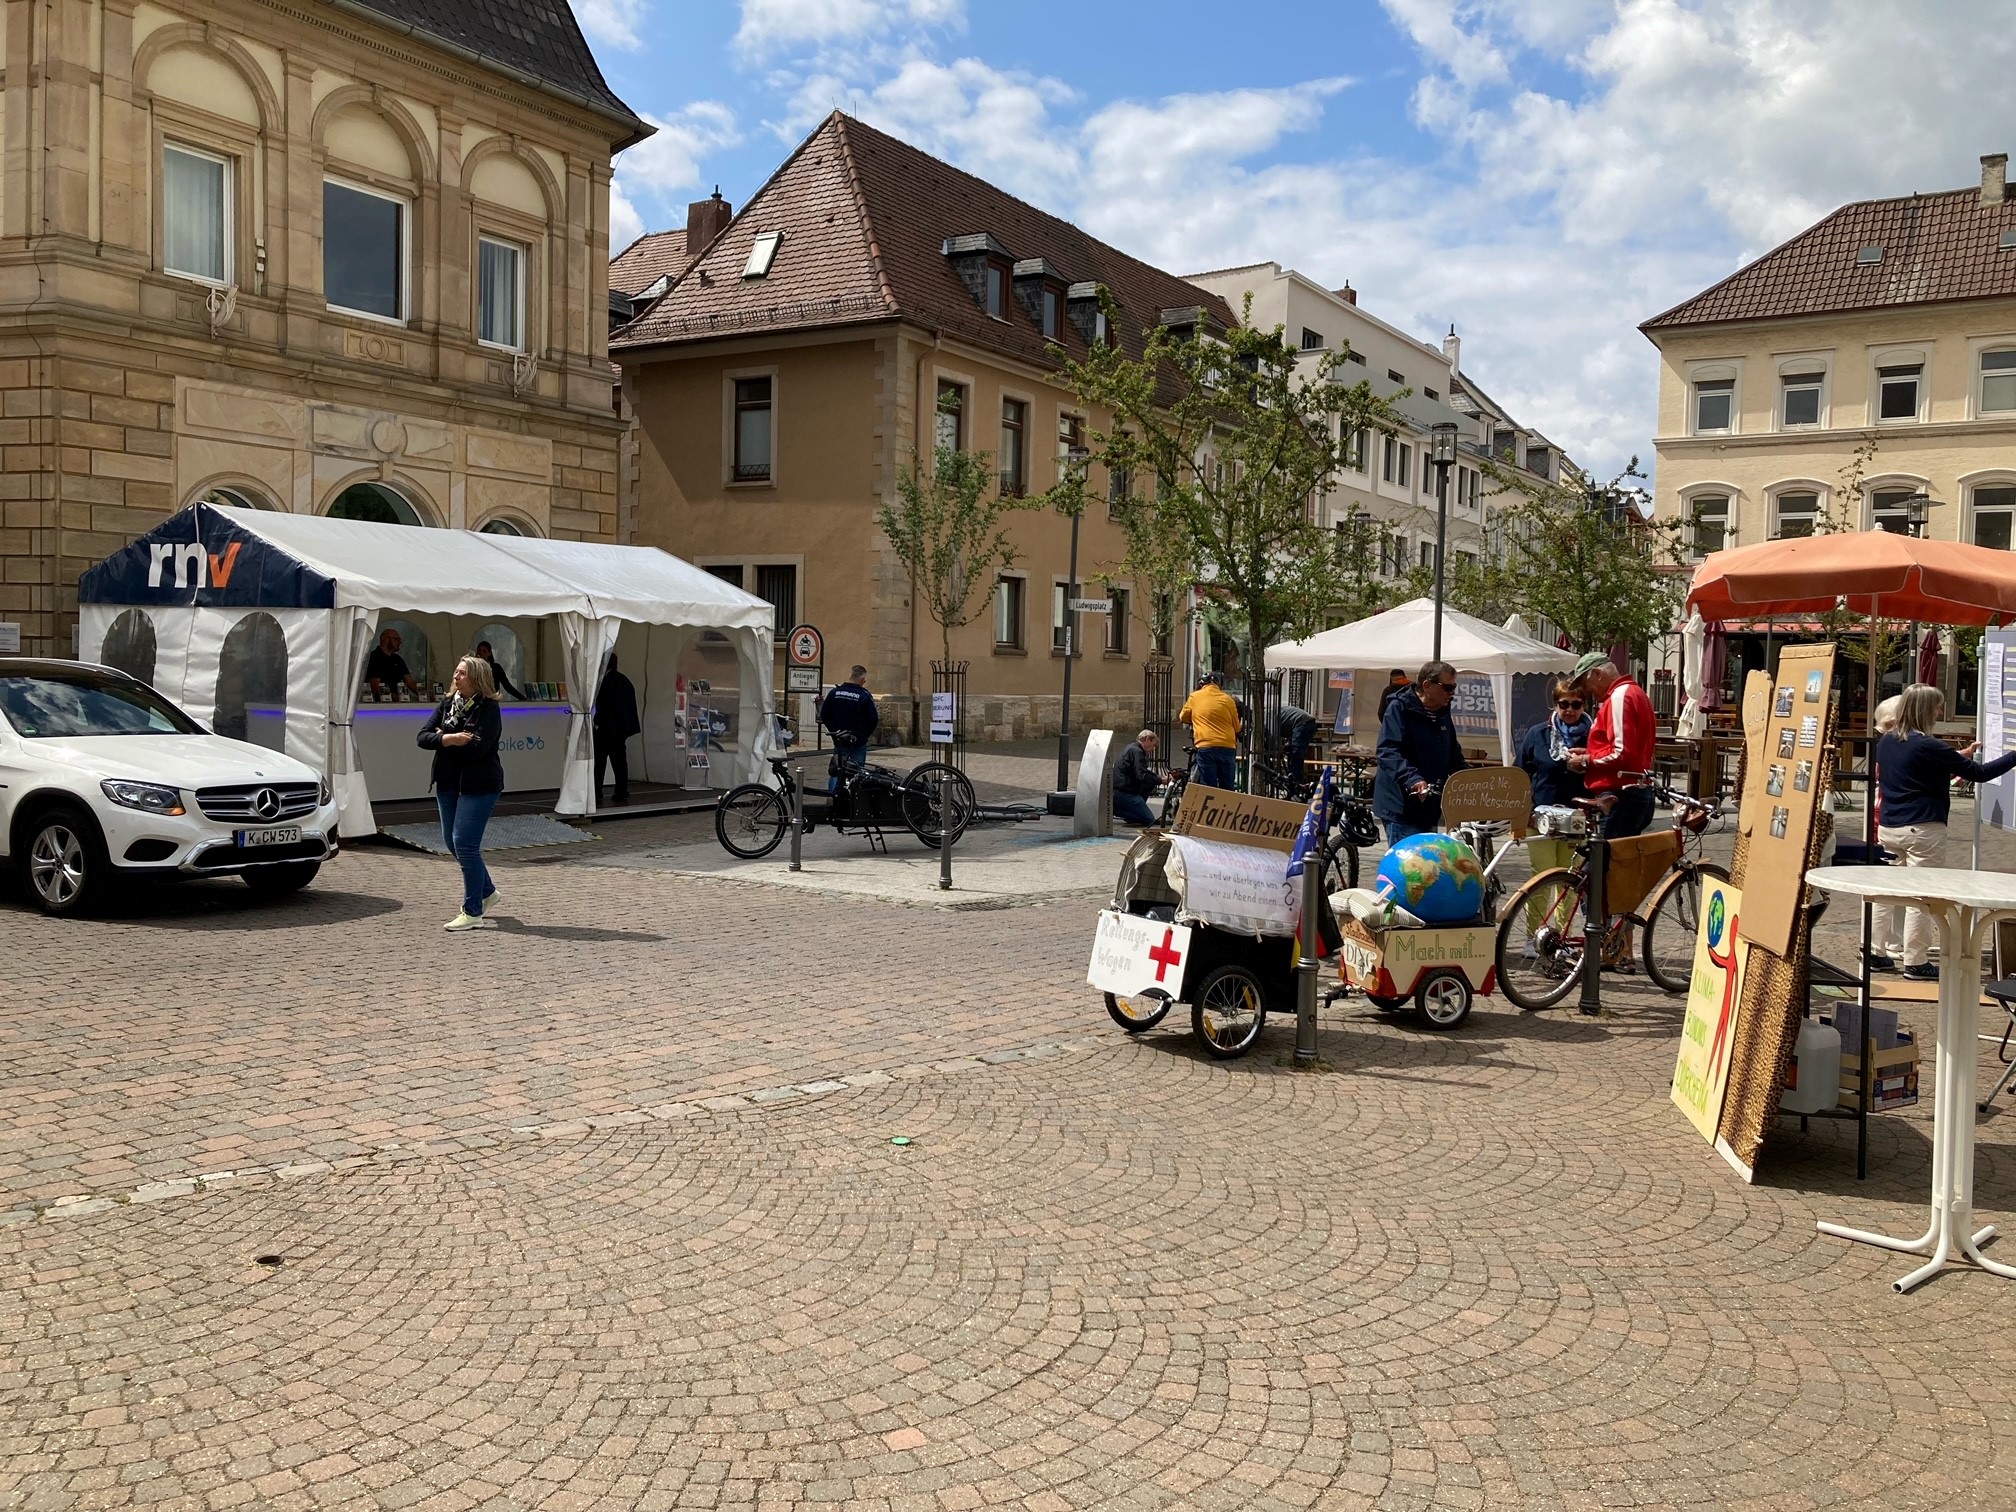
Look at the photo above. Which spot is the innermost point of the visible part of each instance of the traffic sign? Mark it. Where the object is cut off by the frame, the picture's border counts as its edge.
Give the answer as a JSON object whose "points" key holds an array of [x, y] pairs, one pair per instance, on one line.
{"points": [[801, 679], [805, 646], [1091, 606]]}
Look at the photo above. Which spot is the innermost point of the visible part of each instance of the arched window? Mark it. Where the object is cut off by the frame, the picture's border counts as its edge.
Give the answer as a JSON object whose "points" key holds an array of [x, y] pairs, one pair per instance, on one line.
{"points": [[129, 645], [375, 502], [500, 526], [252, 683], [233, 498]]}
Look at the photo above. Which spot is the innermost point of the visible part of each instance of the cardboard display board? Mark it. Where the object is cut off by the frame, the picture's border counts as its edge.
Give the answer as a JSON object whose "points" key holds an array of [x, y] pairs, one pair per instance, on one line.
{"points": [[1212, 813], [1714, 1006], [1785, 780], [1489, 795]]}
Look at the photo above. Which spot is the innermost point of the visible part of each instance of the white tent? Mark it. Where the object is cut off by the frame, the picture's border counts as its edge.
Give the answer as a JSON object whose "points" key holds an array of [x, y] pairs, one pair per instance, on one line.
{"points": [[1405, 637], [215, 600]]}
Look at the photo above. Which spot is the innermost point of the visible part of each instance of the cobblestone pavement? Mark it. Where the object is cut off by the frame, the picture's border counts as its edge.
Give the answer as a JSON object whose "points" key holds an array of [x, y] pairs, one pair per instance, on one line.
{"points": [[602, 1211]]}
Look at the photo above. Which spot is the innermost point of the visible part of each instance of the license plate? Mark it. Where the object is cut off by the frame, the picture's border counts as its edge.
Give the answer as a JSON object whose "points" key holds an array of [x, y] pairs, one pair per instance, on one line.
{"points": [[286, 834]]}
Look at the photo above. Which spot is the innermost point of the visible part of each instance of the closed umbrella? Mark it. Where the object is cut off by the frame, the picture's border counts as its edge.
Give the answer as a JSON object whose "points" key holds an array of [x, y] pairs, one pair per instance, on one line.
{"points": [[1693, 721], [1714, 664], [1928, 657]]}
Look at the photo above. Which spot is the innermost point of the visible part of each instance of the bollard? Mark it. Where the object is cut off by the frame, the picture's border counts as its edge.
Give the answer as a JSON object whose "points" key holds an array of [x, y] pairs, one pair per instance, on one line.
{"points": [[945, 832], [1596, 928], [1306, 967], [796, 809]]}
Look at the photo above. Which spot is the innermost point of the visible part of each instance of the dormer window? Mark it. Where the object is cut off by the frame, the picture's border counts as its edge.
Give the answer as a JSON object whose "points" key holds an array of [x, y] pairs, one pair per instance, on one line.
{"points": [[982, 264], [1186, 321], [1039, 289], [1081, 308]]}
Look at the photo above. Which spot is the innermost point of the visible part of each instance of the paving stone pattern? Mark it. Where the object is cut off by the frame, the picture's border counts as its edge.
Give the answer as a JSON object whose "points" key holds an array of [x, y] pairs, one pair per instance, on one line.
{"points": [[602, 1212]]}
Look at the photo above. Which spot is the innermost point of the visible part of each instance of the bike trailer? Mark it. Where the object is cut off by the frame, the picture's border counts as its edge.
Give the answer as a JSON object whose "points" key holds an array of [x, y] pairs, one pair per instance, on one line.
{"points": [[1440, 969]]}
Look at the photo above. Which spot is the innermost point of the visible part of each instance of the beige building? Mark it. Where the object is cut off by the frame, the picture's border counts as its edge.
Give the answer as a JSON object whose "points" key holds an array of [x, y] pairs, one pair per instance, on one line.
{"points": [[348, 256], [1868, 360], [868, 303]]}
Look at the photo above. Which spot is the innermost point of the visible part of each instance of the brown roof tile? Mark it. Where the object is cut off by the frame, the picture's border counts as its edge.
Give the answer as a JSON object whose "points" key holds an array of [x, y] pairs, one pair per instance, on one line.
{"points": [[865, 219], [654, 255], [1936, 247]]}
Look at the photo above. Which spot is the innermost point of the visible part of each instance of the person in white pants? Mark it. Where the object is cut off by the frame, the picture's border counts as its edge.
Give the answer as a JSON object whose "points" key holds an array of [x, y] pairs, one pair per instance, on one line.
{"points": [[1914, 773], [1887, 919]]}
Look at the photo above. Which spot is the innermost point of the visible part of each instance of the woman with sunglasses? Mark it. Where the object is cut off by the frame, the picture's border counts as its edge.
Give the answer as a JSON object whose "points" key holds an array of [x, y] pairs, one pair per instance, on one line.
{"points": [[1543, 756]]}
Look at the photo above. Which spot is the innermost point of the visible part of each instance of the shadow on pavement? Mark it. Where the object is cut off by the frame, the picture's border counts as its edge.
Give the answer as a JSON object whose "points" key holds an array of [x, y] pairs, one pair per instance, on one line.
{"points": [[226, 904], [582, 932]]}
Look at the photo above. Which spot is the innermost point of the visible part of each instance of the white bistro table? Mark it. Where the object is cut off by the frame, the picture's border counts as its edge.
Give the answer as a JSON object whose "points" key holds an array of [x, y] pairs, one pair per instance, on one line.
{"points": [[1966, 904]]}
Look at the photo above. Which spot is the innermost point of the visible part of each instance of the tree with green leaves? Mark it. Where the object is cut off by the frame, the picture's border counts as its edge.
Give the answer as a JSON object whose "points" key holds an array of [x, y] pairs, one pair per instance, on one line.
{"points": [[1588, 557], [948, 526], [1239, 435]]}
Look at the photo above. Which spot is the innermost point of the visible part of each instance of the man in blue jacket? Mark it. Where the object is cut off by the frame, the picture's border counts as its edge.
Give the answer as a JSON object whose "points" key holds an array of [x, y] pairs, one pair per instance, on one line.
{"points": [[1418, 749], [850, 717]]}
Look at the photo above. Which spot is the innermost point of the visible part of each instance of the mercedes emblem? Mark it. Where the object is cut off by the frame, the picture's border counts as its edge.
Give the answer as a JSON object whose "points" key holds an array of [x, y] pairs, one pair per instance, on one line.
{"points": [[266, 803]]}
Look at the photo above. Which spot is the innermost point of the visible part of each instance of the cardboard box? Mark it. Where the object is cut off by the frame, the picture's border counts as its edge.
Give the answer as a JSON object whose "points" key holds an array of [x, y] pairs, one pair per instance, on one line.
{"points": [[1894, 1082]]}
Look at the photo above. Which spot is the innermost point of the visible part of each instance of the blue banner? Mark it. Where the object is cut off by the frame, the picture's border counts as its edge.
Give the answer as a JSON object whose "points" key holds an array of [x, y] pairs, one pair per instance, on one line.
{"points": [[200, 557]]}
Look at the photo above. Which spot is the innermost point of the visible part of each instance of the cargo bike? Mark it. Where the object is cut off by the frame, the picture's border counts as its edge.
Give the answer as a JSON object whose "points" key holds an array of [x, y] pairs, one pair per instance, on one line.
{"points": [[750, 820]]}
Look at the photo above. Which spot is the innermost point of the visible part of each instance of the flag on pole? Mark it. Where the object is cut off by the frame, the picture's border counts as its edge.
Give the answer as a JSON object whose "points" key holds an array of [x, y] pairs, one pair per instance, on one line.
{"points": [[1315, 825]]}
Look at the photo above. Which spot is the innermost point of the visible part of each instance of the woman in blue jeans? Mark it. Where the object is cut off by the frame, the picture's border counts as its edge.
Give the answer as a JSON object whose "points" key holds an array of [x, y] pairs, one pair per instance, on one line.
{"points": [[463, 734]]}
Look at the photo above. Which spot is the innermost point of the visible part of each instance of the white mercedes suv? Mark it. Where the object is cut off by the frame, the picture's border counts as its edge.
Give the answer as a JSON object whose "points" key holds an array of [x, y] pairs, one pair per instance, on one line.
{"points": [[102, 778]]}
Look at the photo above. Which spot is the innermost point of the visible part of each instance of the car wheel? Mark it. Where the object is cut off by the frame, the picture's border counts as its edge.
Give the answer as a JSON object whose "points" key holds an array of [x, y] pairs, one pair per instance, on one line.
{"points": [[283, 880], [63, 863]]}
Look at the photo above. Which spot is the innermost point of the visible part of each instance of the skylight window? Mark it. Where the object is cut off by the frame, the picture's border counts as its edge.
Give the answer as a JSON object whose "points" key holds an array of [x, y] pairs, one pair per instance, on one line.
{"points": [[763, 254], [1869, 256], [2008, 240]]}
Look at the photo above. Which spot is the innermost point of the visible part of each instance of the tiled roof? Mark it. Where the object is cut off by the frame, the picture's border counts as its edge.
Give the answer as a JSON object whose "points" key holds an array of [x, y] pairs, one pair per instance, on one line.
{"points": [[1935, 247], [865, 219], [654, 255], [535, 39]]}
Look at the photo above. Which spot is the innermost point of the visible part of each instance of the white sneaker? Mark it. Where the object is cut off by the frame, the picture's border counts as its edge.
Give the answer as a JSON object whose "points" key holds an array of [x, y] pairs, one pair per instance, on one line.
{"points": [[463, 921], [489, 902]]}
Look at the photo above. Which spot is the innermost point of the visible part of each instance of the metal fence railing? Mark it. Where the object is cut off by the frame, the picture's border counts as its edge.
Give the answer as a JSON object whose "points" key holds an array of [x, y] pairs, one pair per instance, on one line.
{"points": [[949, 679]]}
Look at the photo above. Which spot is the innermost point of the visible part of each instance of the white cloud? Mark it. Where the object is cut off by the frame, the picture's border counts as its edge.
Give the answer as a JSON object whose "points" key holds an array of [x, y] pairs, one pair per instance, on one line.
{"points": [[616, 22], [653, 177], [770, 26]]}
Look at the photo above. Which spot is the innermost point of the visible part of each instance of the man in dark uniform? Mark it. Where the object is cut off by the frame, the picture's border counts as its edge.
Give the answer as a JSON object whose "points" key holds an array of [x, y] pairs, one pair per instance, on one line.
{"points": [[385, 668], [614, 723], [850, 717]]}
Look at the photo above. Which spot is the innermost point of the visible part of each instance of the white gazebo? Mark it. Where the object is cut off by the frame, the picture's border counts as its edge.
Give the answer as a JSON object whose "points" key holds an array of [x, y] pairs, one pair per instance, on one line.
{"points": [[1405, 637]]}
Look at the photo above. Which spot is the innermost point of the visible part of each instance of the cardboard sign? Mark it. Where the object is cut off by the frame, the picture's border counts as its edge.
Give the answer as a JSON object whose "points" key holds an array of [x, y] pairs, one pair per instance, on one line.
{"points": [[1240, 887], [1782, 790], [1487, 795], [944, 715], [1131, 955], [1714, 996], [1238, 818]]}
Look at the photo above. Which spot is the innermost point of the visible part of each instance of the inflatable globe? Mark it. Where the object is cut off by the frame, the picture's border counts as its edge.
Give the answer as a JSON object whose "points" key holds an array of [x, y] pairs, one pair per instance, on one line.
{"points": [[1434, 877]]}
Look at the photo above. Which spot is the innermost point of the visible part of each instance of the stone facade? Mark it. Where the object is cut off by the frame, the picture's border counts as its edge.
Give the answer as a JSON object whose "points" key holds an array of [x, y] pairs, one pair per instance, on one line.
{"points": [[128, 390]]}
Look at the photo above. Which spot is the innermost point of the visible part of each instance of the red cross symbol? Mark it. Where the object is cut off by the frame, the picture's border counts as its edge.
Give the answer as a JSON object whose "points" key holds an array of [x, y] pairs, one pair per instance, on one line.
{"points": [[1163, 956]]}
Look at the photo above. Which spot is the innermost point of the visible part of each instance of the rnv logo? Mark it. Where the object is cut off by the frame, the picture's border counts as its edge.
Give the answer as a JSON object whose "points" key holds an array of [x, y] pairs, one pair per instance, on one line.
{"points": [[194, 567]]}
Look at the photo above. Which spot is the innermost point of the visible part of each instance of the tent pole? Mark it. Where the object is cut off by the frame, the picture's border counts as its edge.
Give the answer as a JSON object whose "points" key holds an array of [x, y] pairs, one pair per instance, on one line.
{"points": [[1865, 1053]]}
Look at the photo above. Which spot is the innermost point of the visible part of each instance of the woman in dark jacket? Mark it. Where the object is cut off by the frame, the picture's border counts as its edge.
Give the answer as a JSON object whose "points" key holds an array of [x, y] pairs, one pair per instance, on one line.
{"points": [[463, 734]]}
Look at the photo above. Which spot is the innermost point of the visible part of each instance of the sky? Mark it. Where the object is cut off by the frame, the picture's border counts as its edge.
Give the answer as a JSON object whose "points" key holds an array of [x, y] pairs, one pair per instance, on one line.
{"points": [[1542, 174]]}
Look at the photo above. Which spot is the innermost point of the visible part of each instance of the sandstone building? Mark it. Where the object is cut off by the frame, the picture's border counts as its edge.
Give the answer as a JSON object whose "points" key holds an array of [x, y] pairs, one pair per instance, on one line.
{"points": [[343, 256]]}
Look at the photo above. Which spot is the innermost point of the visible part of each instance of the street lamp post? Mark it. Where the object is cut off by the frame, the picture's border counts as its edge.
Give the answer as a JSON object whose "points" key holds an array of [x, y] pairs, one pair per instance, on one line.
{"points": [[1075, 459], [1917, 515], [1443, 455]]}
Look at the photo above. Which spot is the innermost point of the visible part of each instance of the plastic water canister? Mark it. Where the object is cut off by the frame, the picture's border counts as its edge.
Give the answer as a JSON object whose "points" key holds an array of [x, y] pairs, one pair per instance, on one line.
{"points": [[1814, 1077]]}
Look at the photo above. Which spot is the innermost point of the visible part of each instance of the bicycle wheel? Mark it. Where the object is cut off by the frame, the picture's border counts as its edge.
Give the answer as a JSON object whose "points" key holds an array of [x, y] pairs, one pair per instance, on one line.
{"points": [[1228, 1012], [1140, 1013], [921, 800], [1172, 797], [1671, 924], [1540, 945], [750, 820], [1340, 868]]}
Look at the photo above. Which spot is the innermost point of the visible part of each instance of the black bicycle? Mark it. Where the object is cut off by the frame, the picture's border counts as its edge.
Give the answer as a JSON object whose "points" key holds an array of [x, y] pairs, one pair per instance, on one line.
{"points": [[750, 820]]}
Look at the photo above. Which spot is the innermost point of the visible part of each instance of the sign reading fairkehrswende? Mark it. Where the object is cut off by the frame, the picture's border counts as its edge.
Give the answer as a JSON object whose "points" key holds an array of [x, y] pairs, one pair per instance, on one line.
{"points": [[1240, 887]]}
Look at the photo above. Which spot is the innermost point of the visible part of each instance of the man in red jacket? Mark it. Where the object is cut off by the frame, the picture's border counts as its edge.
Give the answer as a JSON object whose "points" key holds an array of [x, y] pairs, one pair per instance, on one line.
{"points": [[1618, 762]]}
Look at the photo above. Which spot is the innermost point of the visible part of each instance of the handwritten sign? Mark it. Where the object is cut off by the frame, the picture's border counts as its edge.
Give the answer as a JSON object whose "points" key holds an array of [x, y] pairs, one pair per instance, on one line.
{"points": [[1238, 818], [1487, 794], [1241, 887], [1132, 955]]}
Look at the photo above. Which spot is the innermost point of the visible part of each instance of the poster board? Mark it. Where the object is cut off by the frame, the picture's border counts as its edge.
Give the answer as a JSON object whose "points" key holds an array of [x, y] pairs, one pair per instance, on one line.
{"points": [[1714, 1006], [1232, 818], [1501, 795], [1997, 799], [1783, 786]]}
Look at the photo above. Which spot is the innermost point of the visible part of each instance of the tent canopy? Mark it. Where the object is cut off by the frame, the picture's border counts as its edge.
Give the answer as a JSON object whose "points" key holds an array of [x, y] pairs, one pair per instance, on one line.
{"points": [[1405, 637], [214, 556]]}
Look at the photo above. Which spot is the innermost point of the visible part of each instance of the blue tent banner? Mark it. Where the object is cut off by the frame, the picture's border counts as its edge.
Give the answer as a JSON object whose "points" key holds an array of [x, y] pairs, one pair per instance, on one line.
{"points": [[201, 558]]}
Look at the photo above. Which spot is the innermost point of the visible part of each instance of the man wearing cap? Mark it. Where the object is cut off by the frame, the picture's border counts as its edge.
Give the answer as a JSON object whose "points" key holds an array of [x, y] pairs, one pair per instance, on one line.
{"points": [[1395, 681], [1213, 717], [1618, 760]]}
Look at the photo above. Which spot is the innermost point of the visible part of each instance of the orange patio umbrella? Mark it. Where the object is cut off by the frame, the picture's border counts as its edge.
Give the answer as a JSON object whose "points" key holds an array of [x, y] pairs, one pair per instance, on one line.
{"points": [[1872, 572]]}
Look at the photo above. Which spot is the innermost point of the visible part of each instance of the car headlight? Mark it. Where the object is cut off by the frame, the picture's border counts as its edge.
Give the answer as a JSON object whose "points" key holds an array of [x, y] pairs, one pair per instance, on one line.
{"points": [[324, 791], [149, 797]]}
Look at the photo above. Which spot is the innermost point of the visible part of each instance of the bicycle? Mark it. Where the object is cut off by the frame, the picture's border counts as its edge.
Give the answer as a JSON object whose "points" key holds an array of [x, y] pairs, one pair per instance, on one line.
{"points": [[1542, 946]]}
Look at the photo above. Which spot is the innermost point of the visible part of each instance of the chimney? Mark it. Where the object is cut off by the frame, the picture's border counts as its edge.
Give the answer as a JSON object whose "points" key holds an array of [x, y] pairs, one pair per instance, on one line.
{"points": [[1348, 294], [1994, 177], [1452, 348], [705, 220]]}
